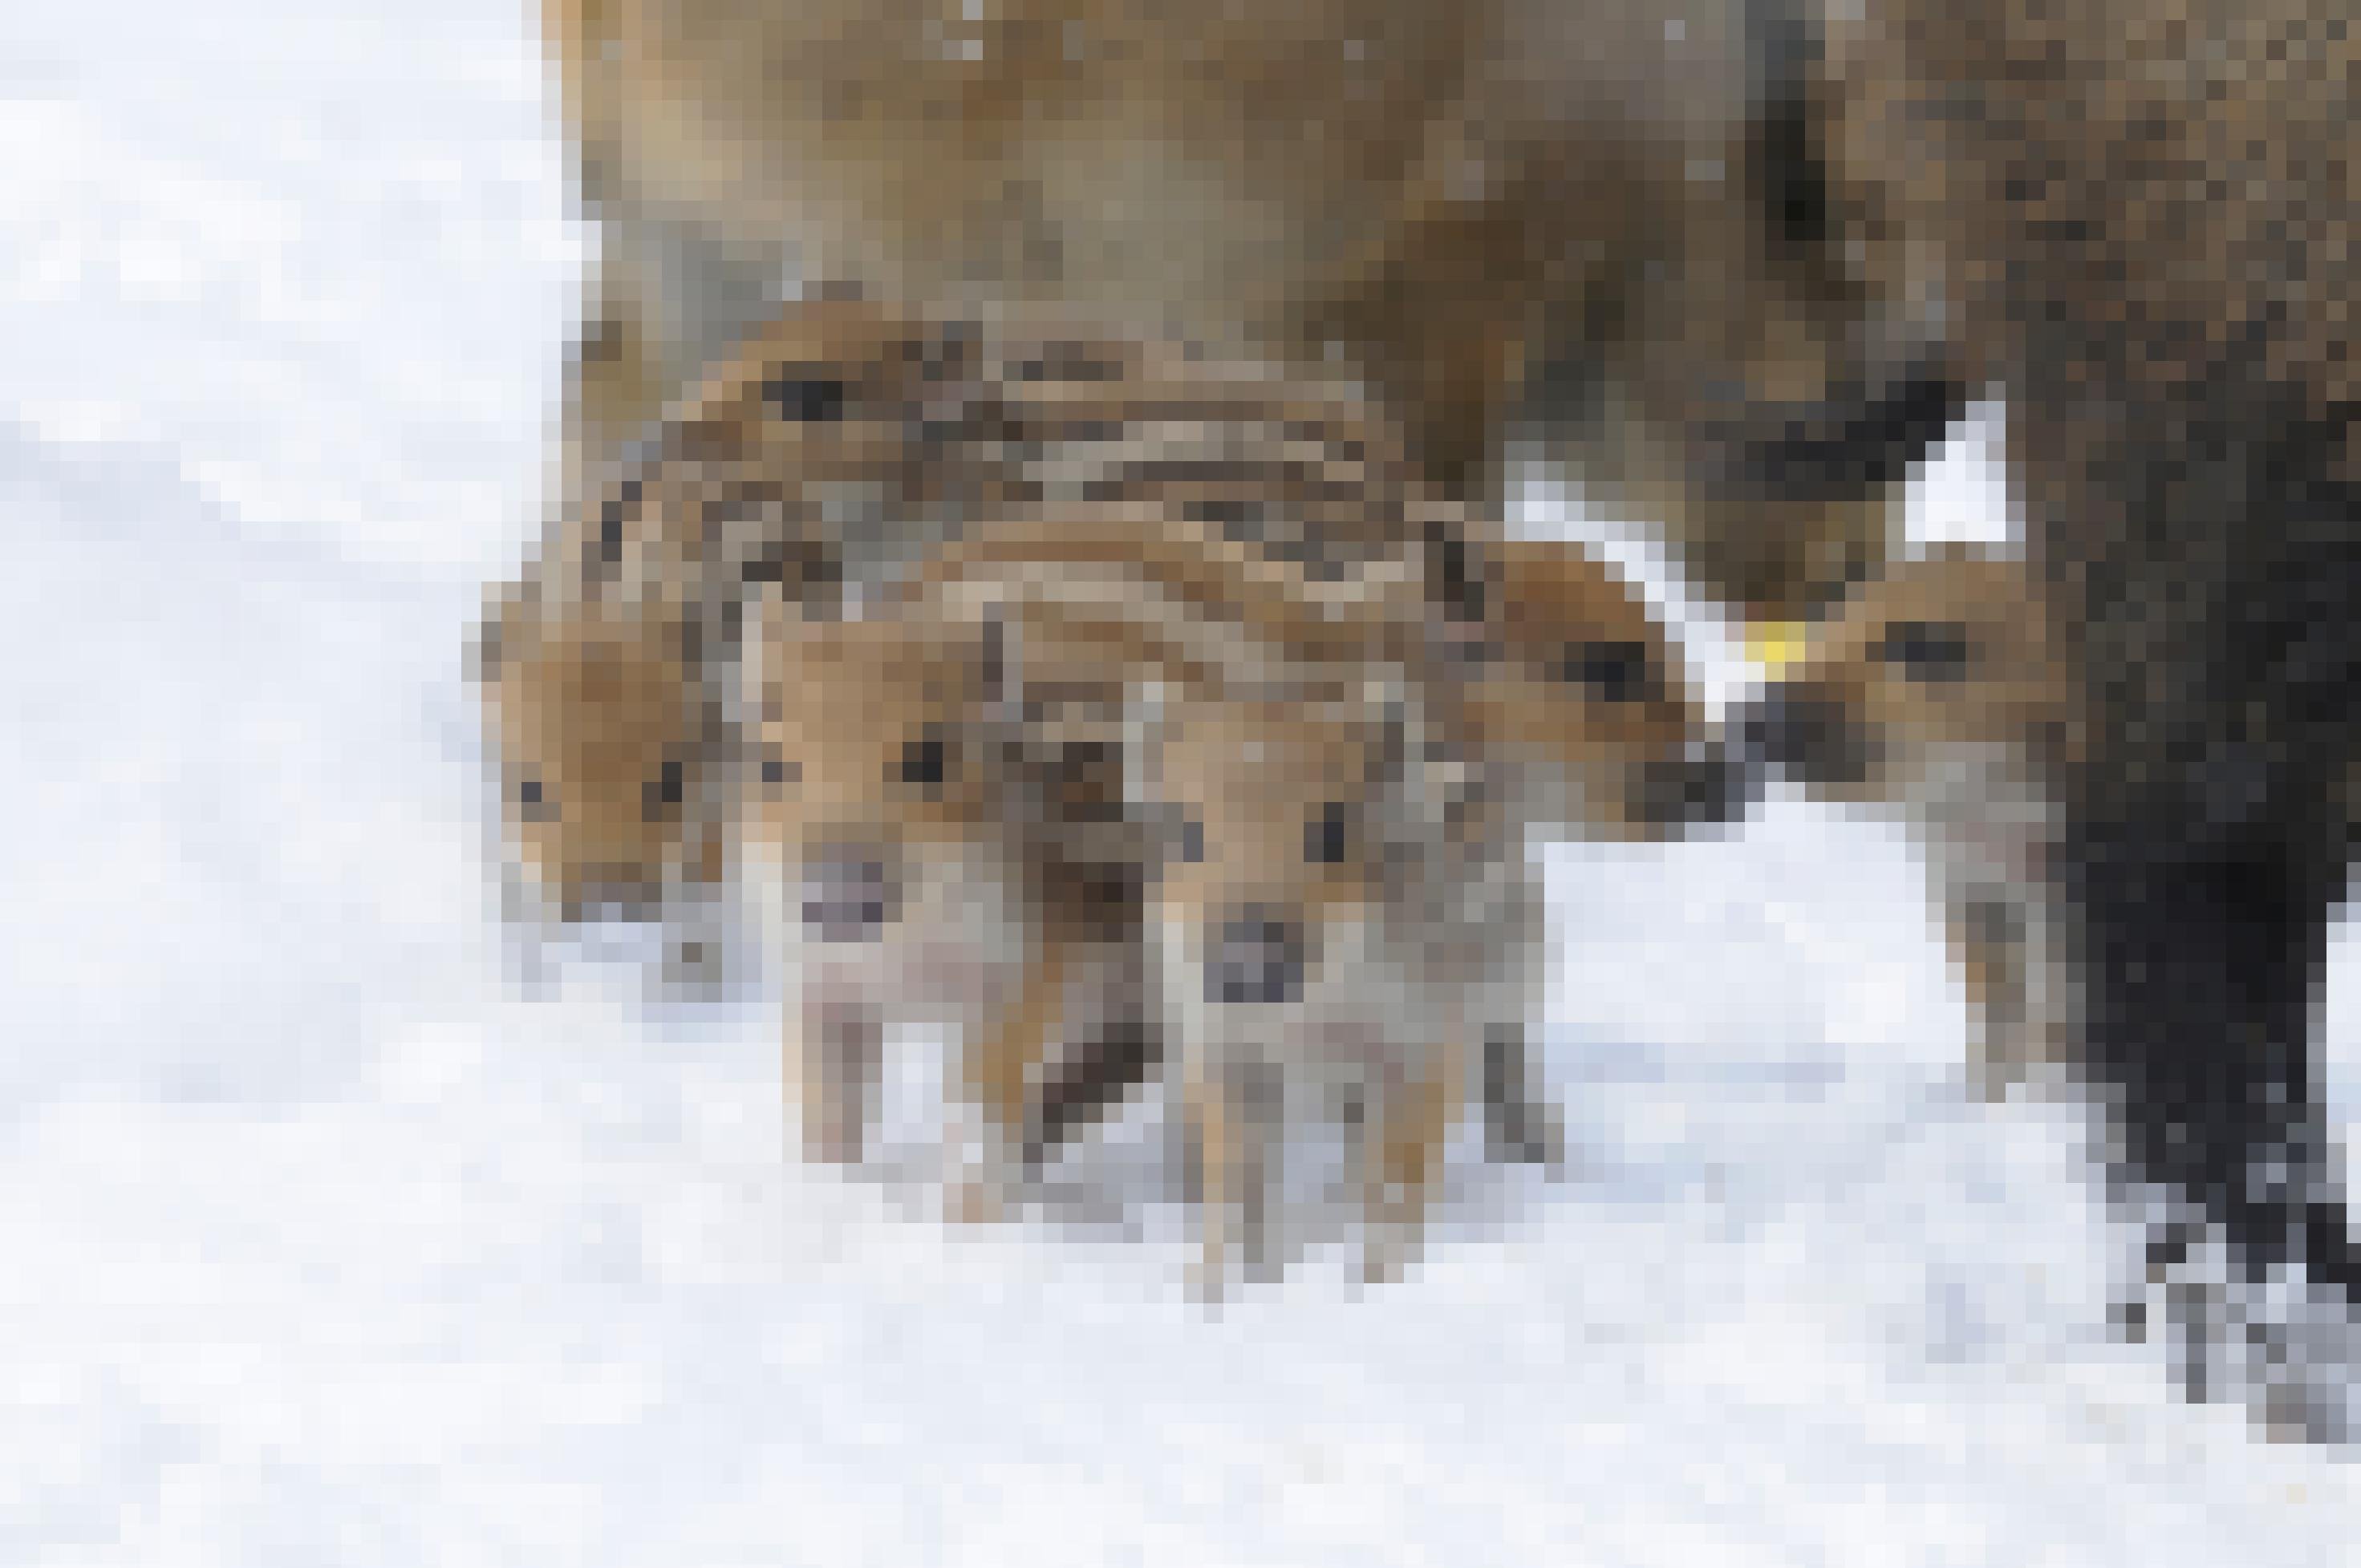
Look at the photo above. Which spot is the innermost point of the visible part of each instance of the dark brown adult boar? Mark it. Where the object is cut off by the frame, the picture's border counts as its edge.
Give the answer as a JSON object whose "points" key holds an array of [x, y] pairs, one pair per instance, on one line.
{"points": [[2137, 218]]}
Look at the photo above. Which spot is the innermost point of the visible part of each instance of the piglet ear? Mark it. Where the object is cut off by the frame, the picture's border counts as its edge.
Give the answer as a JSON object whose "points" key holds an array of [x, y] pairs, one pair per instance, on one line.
{"points": [[483, 651], [490, 639]]}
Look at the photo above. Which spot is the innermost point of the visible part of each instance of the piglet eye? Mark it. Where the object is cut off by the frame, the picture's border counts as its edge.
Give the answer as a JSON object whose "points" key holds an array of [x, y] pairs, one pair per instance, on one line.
{"points": [[1324, 836], [922, 762], [533, 801], [663, 794], [1611, 672], [1927, 651], [1191, 845], [778, 770], [612, 512], [805, 399]]}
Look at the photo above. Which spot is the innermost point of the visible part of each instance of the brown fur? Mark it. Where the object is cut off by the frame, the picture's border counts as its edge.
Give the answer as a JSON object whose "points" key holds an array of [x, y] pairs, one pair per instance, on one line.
{"points": [[1564, 712], [1939, 691], [2141, 233], [1288, 817], [1568, 675], [1207, 518], [606, 750], [1523, 724], [887, 742], [2138, 218], [1452, 202], [1589, 692], [846, 439]]}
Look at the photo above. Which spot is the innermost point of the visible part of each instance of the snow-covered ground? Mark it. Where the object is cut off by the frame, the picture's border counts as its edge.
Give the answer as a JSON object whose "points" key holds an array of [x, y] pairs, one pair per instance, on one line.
{"points": [[321, 1242]]}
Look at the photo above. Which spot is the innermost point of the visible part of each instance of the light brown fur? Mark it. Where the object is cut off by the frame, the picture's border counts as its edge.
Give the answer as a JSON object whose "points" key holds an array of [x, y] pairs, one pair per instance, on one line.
{"points": [[846, 440], [1219, 524], [1289, 823], [1443, 201], [605, 749], [885, 743], [1590, 691], [1534, 733], [1941, 692], [1564, 712]]}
